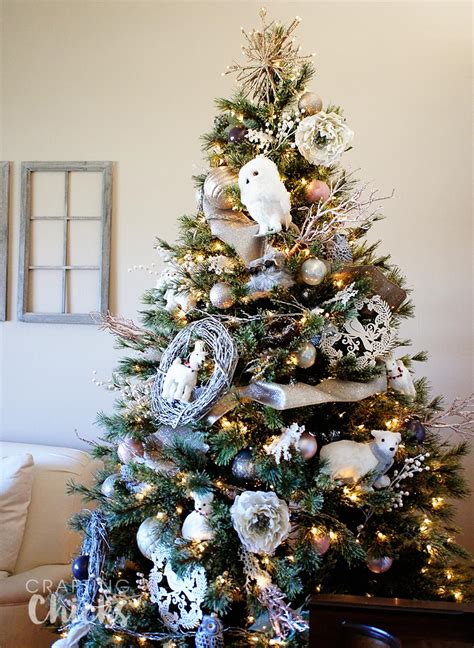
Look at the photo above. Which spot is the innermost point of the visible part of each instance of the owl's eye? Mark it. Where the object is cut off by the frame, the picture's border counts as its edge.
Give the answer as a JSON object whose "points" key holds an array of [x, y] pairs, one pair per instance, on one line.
{"points": [[255, 173], [383, 440]]}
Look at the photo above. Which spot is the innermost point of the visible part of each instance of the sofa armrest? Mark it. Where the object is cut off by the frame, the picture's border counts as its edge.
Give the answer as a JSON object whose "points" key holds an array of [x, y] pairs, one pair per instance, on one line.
{"points": [[39, 580]]}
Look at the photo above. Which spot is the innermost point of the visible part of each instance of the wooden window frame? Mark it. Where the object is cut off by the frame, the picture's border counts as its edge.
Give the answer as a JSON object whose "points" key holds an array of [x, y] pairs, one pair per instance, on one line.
{"points": [[4, 204], [63, 317]]}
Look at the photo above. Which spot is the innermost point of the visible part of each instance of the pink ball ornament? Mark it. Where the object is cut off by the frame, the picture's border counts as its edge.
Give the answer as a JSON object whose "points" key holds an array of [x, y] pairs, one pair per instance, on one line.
{"points": [[379, 565], [316, 191], [308, 445], [321, 542], [129, 449]]}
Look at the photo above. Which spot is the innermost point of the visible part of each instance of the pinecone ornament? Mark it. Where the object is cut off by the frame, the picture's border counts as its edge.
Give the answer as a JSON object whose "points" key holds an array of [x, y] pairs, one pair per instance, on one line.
{"points": [[338, 249], [210, 633]]}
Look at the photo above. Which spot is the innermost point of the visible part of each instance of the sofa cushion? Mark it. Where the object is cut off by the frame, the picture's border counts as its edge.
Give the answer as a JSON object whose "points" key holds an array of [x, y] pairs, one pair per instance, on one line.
{"points": [[16, 481], [47, 539]]}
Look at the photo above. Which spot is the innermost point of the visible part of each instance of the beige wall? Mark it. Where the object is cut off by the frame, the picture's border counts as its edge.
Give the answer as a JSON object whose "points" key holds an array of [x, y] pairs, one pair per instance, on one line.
{"points": [[134, 82]]}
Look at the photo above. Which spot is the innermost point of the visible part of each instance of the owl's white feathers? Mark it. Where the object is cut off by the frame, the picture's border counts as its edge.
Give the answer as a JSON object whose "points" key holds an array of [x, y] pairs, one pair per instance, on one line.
{"points": [[264, 195]]}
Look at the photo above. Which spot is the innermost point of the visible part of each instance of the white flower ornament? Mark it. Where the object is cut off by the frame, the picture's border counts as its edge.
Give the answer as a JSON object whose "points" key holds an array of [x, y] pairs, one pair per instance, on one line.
{"points": [[322, 138], [261, 519]]}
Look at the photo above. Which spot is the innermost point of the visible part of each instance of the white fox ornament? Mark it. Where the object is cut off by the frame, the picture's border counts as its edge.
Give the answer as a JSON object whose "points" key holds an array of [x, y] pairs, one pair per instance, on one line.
{"points": [[265, 195]]}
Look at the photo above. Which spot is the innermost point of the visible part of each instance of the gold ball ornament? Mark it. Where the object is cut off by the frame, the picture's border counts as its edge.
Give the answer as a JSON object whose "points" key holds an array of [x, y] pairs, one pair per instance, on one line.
{"points": [[313, 271], [148, 536], [215, 186], [306, 356], [310, 103], [308, 445], [316, 191], [221, 295]]}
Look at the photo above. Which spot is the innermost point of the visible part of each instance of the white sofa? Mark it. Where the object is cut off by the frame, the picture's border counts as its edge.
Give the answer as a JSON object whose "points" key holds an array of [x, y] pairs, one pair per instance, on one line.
{"points": [[48, 544]]}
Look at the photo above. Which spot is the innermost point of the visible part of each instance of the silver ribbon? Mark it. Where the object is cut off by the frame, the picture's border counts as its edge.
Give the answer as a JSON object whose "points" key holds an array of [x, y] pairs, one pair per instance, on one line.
{"points": [[235, 229], [284, 397]]}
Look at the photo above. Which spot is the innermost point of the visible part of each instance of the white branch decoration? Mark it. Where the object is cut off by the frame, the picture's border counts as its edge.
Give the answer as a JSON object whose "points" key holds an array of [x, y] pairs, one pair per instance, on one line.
{"points": [[341, 210], [460, 408]]}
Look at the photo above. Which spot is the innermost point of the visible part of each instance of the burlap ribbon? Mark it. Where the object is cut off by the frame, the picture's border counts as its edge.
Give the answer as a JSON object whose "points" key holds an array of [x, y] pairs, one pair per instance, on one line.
{"points": [[284, 397], [235, 229]]}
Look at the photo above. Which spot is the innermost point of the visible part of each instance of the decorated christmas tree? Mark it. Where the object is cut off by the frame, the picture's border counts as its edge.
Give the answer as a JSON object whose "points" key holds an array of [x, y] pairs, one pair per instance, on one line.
{"points": [[270, 440]]}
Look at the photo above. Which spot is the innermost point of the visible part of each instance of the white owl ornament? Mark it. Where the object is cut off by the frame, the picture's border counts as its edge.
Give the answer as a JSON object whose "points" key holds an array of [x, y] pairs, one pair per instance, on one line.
{"points": [[210, 633], [264, 195]]}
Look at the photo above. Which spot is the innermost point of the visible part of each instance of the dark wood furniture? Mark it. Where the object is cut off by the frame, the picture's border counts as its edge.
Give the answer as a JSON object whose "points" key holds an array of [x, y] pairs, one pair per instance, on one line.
{"points": [[417, 624], [358, 635]]}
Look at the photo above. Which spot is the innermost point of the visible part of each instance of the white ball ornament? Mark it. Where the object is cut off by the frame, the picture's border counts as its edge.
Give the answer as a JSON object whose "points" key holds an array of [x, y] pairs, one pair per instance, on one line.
{"points": [[221, 295], [108, 485], [313, 271], [310, 103], [306, 356], [148, 536]]}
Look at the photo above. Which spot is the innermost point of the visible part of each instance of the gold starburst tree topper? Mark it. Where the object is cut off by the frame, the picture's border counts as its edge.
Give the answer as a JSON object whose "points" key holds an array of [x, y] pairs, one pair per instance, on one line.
{"points": [[273, 60]]}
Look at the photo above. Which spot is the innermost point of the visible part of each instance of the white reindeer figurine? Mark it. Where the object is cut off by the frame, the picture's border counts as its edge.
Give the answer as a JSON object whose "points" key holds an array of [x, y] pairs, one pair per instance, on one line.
{"points": [[181, 379]]}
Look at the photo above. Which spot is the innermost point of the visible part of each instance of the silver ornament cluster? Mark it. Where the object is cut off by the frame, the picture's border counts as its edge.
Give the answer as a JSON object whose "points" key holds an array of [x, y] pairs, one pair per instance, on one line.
{"points": [[224, 356]]}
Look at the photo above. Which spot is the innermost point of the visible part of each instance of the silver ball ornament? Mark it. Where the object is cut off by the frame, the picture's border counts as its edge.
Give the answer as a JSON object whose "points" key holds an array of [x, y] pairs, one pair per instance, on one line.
{"points": [[215, 187], [379, 565], [243, 466], [129, 449], [313, 271], [148, 536], [310, 103], [306, 356], [221, 295], [308, 445], [108, 485]]}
